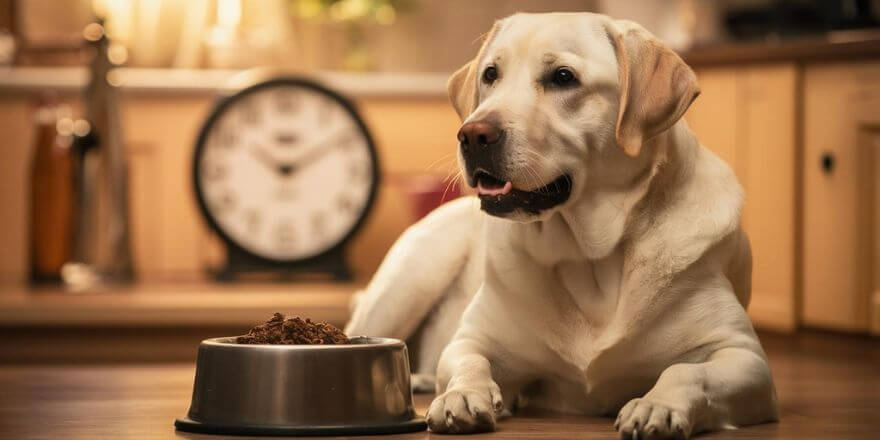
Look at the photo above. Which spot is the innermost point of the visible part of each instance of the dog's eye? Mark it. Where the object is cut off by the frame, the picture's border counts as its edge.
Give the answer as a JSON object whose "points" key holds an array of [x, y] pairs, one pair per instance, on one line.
{"points": [[563, 77], [490, 74]]}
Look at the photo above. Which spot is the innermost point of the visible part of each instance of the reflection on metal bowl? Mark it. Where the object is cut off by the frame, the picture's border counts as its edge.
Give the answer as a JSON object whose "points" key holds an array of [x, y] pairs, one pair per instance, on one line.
{"points": [[359, 388]]}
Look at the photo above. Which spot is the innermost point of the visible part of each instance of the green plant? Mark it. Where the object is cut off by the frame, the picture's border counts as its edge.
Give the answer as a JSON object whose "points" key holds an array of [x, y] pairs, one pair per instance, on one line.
{"points": [[383, 12]]}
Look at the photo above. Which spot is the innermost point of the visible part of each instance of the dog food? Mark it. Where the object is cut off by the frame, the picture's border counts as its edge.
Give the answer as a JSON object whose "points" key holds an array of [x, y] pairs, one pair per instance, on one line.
{"points": [[279, 330]]}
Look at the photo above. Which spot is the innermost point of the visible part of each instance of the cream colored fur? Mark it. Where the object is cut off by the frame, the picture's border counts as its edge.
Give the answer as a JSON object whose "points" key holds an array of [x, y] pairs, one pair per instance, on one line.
{"points": [[627, 299]]}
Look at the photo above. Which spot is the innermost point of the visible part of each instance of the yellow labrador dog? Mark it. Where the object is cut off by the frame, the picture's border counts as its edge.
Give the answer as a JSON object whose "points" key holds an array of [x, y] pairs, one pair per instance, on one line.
{"points": [[611, 274]]}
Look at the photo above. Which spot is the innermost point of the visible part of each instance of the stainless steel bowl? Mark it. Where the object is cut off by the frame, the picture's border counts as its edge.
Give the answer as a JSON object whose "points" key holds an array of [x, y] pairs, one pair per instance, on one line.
{"points": [[359, 388]]}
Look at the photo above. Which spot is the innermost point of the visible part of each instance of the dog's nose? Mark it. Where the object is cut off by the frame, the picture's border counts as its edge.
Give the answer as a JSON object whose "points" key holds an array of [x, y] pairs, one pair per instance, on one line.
{"points": [[478, 134]]}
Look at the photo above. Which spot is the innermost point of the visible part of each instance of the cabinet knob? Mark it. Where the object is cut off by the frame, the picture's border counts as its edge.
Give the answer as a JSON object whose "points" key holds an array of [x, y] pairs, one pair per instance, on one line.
{"points": [[827, 162]]}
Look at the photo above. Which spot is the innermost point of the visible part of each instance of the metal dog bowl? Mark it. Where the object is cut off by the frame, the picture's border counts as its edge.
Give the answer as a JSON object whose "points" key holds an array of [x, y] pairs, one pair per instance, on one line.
{"points": [[358, 388]]}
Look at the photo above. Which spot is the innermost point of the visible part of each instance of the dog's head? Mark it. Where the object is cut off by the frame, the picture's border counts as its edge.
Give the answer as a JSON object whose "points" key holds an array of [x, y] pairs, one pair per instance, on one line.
{"points": [[554, 103]]}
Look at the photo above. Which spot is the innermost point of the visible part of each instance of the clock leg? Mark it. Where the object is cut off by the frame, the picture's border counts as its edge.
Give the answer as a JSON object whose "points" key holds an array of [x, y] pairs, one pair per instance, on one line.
{"points": [[341, 272], [238, 264]]}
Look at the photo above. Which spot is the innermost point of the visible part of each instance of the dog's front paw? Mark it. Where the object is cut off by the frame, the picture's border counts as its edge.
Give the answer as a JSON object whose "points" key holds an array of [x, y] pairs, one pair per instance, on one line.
{"points": [[466, 410], [646, 419]]}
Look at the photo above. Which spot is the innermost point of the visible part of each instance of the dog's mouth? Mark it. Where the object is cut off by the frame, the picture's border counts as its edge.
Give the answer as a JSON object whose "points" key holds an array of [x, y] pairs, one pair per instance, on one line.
{"points": [[498, 196]]}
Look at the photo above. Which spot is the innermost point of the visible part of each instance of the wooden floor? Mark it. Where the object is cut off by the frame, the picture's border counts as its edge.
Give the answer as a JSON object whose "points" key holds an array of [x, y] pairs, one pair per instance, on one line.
{"points": [[829, 388]]}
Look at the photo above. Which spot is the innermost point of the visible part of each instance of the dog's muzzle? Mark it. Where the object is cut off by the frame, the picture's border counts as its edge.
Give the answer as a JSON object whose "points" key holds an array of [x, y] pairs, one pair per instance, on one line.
{"points": [[482, 148], [532, 202]]}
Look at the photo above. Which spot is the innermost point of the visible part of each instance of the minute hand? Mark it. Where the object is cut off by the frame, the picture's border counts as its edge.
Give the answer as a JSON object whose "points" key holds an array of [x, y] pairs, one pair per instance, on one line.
{"points": [[317, 150]]}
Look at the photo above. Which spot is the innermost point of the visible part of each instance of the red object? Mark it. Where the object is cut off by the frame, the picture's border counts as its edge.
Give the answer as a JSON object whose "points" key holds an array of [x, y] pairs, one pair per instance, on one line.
{"points": [[427, 191]]}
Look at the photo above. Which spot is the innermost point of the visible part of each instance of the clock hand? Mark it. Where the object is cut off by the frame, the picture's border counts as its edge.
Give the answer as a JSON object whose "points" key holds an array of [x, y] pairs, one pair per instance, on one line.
{"points": [[318, 149], [285, 169]]}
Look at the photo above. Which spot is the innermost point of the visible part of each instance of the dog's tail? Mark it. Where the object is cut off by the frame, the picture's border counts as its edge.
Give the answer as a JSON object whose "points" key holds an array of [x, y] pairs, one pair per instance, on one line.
{"points": [[420, 266]]}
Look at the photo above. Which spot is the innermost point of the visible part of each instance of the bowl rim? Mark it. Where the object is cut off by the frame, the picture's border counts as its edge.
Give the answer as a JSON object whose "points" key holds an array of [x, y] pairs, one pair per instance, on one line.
{"points": [[363, 343]]}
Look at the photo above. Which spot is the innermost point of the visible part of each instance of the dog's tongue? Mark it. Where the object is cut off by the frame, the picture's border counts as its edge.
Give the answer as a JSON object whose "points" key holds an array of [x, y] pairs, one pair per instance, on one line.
{"points": [[494, 191]]}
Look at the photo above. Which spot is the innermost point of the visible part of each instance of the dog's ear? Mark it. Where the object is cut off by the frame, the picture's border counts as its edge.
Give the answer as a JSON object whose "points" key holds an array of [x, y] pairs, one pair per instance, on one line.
{"points": [[462, 85], [656, 86]]}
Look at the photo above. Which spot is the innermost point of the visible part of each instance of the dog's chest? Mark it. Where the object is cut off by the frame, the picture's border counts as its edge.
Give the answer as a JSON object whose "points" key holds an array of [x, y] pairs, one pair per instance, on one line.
{"points": [[592, 286], [583, 302]]}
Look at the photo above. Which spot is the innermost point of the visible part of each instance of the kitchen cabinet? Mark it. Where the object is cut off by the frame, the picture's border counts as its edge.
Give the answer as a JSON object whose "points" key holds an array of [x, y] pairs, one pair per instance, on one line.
{"points": [[748, 116], [841, 288]]}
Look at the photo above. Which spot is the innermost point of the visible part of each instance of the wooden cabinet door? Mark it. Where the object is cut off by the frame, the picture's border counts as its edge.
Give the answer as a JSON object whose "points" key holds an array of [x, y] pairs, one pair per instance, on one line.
{"points": [[841, 108], [869, 152], [766, 164], [748, 117], [714, 115]]}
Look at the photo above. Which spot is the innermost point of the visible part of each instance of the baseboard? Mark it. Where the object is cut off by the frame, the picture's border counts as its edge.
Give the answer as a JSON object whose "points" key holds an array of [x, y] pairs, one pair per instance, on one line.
{"points": [[875, 313]]}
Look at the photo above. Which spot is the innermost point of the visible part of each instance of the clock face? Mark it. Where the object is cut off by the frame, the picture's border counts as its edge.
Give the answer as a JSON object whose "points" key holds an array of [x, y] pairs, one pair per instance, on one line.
{"points": [[285, 170]]}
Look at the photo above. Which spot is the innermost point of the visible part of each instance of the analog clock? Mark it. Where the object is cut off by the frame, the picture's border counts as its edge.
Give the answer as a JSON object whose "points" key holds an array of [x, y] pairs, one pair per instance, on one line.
{"points": [[285, 172]]}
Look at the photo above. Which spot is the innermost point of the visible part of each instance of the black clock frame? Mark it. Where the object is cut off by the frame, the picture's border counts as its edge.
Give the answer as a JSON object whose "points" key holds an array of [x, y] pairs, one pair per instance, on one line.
{"points": [[240, 260]]}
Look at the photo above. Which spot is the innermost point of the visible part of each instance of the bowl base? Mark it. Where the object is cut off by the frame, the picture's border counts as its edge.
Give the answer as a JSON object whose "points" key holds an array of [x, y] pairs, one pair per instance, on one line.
{"points": [[188, 425]]}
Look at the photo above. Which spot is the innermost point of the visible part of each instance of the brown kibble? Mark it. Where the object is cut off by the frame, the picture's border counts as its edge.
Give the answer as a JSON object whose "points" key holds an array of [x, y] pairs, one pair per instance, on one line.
{"points": [[291, 331]]}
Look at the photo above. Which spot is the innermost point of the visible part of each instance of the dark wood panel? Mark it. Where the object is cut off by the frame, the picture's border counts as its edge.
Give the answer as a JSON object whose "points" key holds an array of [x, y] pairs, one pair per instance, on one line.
{"points": [[840, 48], [829, 387]]}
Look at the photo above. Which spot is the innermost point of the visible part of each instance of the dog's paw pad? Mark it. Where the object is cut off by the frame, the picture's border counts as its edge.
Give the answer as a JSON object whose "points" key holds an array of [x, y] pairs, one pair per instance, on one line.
{"points": [[644, 419]]}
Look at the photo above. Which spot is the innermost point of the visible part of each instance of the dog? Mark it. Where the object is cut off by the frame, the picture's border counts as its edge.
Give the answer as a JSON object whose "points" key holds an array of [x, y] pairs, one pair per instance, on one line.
{"points": [[602, 268]]}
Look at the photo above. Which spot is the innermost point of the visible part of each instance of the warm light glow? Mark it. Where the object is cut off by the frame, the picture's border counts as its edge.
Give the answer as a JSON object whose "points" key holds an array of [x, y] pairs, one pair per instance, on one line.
{"points": [[64, 126], [118, 18], [228, 13], [93, 32], [386, 15], [309, 8], [349, 10], [113, 78], [117, 53], [81, 127], [99, 8]]}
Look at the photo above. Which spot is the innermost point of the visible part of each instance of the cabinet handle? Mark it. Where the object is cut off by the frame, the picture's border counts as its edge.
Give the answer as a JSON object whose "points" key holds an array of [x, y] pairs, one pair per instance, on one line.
{"points": [[827, 162]]}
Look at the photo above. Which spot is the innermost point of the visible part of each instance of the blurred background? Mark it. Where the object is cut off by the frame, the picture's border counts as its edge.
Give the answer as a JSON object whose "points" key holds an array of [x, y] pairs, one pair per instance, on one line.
{"points": [[108, 255]]}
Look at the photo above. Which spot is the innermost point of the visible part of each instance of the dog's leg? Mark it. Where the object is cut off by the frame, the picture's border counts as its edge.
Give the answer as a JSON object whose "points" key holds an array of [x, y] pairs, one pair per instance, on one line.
{"points": [[417, 270], [472, 400], [733, 387], [475, 383]]}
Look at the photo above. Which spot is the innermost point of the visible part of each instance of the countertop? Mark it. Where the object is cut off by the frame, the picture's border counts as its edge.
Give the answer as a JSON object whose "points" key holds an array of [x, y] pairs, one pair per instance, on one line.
{"points": [[174, 305], [214, 81], [834, 47], [151, 322], [827, 386]]}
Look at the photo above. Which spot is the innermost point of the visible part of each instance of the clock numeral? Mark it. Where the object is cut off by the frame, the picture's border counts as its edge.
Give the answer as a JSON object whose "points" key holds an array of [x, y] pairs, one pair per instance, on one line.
{"points": [[253, 220], [226, 201], [284, 236], [327, 112], [285, 102], [319, 224], [227, 138], [285, 193], [213, 171], [345, 204], [286, 139], [348, 141], [250, 113], [357, 171]]}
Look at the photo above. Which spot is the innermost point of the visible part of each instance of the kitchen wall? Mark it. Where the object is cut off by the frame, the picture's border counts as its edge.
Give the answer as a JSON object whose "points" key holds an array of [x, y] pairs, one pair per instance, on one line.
{"points": [[414, 134]]}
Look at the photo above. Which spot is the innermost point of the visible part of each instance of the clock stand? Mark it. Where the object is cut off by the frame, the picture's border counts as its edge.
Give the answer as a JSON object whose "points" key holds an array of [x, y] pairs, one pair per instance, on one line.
{"points": [[241, 265]]}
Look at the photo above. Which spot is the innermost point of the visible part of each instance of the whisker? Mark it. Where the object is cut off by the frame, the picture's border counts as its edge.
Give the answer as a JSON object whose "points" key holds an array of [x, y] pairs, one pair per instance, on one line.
{"points": [[457, 176], [451, 172], [437, 162]]}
